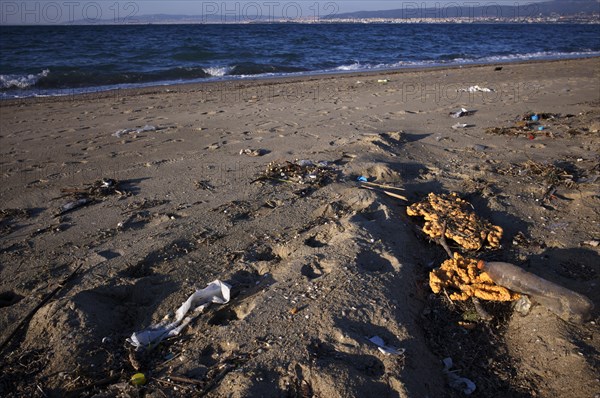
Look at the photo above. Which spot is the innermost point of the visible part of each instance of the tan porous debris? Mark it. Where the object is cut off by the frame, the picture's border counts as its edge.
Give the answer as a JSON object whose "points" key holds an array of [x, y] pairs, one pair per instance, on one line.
{"points": [[461, 225]]}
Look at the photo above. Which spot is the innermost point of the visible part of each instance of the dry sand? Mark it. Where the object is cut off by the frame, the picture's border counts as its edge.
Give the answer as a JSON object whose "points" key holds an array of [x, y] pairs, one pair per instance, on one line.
{"points": [[314, 272]]}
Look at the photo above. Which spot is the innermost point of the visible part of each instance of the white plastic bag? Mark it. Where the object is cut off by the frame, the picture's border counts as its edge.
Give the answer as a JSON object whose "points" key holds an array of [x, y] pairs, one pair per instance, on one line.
{"points": [[216, 292]]}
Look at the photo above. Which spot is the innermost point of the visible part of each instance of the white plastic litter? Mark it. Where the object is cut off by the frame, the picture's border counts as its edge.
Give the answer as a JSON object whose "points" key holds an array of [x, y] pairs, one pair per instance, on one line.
{"points": [[460, 126], [455, 381], [378, 341], [475, 89], [461, 113], [147, 127], [216, 292]]}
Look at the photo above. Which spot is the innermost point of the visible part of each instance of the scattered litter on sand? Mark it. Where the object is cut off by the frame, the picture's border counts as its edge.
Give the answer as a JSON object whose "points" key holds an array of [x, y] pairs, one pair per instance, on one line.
{"points": [[90, 194], [299, 172]]}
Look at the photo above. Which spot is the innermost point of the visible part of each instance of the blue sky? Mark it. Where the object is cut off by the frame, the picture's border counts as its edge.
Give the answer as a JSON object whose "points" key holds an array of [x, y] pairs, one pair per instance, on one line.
{"points": [[59, 11]]}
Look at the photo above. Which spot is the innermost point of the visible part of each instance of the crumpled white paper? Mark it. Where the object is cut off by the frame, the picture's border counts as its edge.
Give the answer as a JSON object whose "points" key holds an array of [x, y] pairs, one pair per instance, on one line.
{"points": [[216, 292]]}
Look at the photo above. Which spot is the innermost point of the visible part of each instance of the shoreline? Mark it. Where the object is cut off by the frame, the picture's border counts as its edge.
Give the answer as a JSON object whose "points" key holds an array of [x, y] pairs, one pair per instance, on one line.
{"points": [[270, 80]]}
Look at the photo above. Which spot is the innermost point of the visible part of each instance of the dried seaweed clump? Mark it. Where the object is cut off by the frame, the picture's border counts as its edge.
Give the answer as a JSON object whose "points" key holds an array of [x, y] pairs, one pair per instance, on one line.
{"points": [[462, 225], [300, 172], [465, 280]]}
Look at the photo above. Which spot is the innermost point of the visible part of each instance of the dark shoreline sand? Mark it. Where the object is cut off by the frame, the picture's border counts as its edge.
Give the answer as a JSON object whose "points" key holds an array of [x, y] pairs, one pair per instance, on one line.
{"points": [[313, 272]]}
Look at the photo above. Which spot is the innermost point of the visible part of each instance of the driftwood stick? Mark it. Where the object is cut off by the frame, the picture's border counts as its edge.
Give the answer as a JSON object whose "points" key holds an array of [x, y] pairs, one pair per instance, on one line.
{"points": [[442, 240]]}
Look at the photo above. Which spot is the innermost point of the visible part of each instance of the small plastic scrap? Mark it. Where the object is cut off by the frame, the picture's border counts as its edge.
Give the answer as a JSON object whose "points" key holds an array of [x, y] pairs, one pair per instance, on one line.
{"points": [[253, 152], [383, 81], [460, 126], [70, 206], [362, 179], [455, 381], [475, 89], [378, 341], [462, 112], [216, 292], [535, 118], [121, 132]]}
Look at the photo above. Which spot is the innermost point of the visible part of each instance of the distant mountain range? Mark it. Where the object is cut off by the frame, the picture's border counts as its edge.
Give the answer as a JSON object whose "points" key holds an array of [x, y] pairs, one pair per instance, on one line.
{"points": [[542, 9]]}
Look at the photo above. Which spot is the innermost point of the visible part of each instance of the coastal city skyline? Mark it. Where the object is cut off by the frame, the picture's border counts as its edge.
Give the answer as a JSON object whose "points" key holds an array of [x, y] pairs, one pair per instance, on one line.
{"points": [[82, 12]]}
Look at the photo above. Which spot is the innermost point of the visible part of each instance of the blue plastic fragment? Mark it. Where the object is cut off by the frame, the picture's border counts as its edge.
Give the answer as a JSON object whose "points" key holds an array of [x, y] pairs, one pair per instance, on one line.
{"points": [[362, 179]]}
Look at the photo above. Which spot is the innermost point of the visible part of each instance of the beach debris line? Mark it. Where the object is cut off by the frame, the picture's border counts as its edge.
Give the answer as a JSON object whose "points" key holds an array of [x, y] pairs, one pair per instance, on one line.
{"points": [[455, 381], [566, 304], [464, 280], [386, 189], [547, 173], [305, 172], [534, 124], [98, 189], [90, 194], [215, 292], [448, 215]]}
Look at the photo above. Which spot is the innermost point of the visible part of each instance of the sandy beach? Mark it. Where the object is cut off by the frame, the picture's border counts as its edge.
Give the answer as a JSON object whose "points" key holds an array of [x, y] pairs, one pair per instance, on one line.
{"points": [[316, 270]]}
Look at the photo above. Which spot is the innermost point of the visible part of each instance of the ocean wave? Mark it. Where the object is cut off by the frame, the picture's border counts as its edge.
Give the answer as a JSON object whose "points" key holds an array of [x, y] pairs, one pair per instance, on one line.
{"points": [[460, 59], [77, 80], [251, 68], [538, 56], [217, 71], [22, 82], [80, 78], [354, 66]]}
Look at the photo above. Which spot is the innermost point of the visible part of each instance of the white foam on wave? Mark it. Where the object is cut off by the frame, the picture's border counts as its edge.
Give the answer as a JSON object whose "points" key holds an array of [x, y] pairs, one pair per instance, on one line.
{"points": [[354, 66], [539, 55], [217, 71], [21, 81]]}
